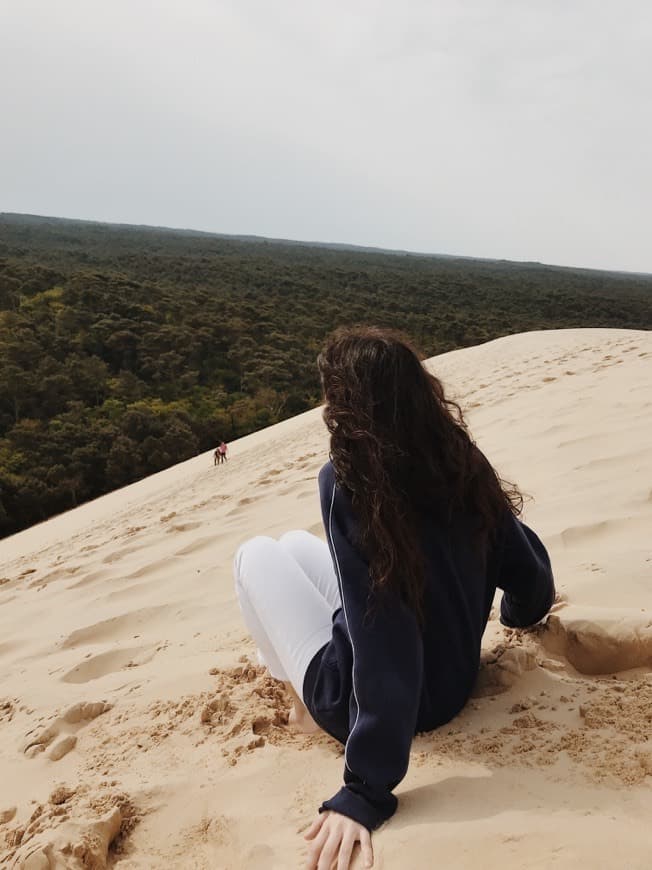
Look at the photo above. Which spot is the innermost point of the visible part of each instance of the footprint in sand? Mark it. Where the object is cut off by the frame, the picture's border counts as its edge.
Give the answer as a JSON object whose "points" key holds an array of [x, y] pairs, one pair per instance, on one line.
{"points": [[600, 644], [267, 478], [57, 574], [91, 577], [71, 844], [131, 531], [243, 502], [108, 662], [61, 735], [617, 527], [184, 527], [149, 568], [125, 593], [7, 709], [117, 627], [195, 546], [89, 548], [116, 555]]}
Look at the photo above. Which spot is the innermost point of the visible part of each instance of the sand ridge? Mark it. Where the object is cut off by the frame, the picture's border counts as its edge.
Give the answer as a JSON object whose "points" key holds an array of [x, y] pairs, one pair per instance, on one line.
{"points": [[138, 732]]}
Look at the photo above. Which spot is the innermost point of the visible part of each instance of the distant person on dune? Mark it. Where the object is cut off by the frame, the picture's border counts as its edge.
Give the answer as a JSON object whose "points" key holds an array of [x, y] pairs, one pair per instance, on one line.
{"points": [[377, 633], [220, 454]]}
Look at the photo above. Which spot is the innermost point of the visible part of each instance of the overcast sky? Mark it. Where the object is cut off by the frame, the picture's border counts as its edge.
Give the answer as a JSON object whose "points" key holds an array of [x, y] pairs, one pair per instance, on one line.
{"points": [[519, 129]]}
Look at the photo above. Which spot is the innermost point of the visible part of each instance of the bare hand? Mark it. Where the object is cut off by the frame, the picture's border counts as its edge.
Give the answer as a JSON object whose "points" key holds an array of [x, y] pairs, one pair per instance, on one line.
{"points": [[334, 837]]}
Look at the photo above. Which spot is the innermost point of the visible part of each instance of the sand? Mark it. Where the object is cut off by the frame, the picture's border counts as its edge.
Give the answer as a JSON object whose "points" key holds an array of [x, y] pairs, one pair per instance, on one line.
{"points": [[137, 732]]}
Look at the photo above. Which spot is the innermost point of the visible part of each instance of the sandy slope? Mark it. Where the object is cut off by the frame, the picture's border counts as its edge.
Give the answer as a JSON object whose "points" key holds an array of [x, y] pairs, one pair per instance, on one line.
{"points": [[129, 707]]}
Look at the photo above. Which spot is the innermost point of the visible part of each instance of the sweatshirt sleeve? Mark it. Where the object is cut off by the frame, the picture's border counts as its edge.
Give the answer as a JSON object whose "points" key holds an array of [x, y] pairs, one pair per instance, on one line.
{"points": [[387, 674], [525, 576]]}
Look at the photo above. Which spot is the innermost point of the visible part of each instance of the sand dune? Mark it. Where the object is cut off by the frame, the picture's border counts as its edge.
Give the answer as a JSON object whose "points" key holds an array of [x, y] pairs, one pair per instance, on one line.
{"points": [[137, 732]]}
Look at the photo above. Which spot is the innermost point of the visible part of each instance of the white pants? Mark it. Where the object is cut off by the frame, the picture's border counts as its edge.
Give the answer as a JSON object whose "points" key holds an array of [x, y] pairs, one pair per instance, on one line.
{"points": [[288, 593]]}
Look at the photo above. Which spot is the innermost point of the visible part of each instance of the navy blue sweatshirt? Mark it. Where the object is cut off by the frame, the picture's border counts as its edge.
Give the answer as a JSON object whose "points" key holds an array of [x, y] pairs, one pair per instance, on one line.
{"points": [[381, 679]]}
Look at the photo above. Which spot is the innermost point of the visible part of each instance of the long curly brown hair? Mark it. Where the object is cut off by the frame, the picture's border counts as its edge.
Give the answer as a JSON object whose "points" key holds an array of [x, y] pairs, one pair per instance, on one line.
{"points": [[401, 448]]}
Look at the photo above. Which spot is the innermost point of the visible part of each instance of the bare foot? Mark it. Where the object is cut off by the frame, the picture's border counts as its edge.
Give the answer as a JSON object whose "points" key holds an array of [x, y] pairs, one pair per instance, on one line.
{"points": [[299, 719]]}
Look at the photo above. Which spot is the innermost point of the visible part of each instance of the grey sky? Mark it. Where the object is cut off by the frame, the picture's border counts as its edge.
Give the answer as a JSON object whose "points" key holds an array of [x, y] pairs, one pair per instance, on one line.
{"points": [[502, 128]]}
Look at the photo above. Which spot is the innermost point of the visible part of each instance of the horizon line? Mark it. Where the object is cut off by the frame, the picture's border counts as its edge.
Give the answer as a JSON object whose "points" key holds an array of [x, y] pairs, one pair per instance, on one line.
{"points": [[323, 244]]}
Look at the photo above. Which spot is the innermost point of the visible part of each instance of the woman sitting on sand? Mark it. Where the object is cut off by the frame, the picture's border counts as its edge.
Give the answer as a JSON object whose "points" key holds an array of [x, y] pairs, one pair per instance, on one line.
{"points": [[377, 635]]}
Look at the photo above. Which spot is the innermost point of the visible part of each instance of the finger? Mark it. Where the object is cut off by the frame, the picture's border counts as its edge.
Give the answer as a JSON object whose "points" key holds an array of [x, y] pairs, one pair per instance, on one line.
{"points": [[329, 851], [346, 849], [315, 848], [314, 829], [366, 848]]}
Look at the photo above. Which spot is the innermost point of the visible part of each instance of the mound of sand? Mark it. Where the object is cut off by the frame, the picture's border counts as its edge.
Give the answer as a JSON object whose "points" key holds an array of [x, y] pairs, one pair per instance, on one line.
{"points": [[137, 732]]}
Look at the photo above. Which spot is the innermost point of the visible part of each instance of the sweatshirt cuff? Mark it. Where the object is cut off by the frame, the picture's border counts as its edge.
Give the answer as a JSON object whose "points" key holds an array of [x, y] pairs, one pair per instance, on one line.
{"points": [[362, 804], [515, 615]]}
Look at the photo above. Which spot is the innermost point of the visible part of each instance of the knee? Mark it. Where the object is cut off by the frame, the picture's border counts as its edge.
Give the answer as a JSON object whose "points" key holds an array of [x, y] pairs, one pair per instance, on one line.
{"points": [[250, 559], [304, 547], [295, 541], [300, 544]]}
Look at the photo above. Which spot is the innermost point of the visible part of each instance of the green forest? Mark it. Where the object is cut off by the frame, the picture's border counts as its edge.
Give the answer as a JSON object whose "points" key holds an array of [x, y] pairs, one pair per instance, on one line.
{"points": [[124, 350]]}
